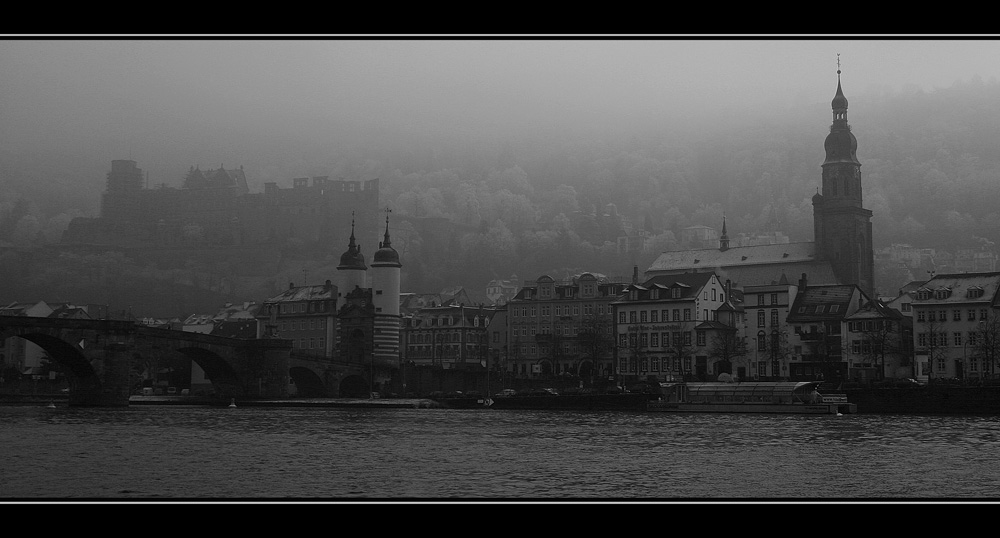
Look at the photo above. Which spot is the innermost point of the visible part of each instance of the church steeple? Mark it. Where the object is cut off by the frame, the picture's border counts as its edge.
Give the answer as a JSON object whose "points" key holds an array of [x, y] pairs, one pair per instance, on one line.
{"points": [[842, 226], [724, 239]]}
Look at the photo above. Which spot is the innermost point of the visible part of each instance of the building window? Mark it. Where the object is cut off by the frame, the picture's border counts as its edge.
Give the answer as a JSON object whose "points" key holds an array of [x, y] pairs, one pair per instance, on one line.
{"points": [[760, 318], [631, 317], [654, 340], [957, 339], [921, 317], [701, 338], [774, 298], [642, 317], [621, 317], [760, 299], [677, 315], [644, 341], [622, 340], [972, 314], [761, 341], [652, 316], [687, 314], [774, 318], [687, 338], [956, 315]]}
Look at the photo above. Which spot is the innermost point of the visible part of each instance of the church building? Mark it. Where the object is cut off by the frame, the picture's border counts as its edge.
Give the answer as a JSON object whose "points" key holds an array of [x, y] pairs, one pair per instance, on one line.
{"points": [[841, 252]]}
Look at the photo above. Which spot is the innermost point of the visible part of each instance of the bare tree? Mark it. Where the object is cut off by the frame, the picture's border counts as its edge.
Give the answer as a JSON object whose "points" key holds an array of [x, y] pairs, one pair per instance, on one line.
{"points": [[931, 340], [680, 346], [727, 346], [986, 345], [880, 340], [594, 337]]}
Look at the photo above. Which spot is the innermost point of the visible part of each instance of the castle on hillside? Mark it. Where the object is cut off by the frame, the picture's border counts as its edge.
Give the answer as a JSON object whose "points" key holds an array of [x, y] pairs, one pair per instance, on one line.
{"points": [[215, 208]]}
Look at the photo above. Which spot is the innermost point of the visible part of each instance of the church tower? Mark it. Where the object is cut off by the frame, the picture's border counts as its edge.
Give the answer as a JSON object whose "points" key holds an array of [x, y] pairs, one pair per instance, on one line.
{"points": [[842, 227]]}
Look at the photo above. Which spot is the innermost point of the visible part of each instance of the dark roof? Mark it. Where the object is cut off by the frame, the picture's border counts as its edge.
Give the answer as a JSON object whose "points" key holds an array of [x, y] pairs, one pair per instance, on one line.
{"points": [[806, 303]]}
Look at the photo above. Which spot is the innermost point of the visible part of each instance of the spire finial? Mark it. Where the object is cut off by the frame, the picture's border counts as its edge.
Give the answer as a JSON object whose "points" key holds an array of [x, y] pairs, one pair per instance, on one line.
{"points": [[386, 242], [838, 63]]}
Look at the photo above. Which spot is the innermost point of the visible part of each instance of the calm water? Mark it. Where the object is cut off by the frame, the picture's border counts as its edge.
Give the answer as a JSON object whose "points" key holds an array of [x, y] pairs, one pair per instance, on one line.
{"points": [[191, 453]]}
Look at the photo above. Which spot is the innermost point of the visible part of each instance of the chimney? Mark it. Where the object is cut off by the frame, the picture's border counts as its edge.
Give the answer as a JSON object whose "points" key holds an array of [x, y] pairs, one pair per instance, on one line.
{"points": [[635, 274], [802, 282], [729, 288], [291, 285]]}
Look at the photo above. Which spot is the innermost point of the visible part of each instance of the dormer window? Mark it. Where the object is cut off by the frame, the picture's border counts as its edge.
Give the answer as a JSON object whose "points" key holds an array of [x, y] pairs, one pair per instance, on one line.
{"points": [[923, 294], [654, 294], [974, 292], [675, 293], [942, 293]]}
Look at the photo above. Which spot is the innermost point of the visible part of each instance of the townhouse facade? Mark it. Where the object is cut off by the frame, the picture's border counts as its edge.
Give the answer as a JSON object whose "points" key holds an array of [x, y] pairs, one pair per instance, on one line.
{"points": [[818, 338], [449, 337], [562, 328], [879, 343], [667, 327], [956, 323], [306, 315], [767, 328]]}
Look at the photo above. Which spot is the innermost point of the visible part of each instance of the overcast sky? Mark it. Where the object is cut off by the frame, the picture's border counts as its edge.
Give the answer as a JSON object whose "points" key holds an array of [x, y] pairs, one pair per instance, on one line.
{"points": [[170, 104]]}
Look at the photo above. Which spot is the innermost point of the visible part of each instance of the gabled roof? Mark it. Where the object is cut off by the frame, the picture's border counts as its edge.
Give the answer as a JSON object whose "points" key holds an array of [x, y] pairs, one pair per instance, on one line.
{"points": [[835, 297], [734, 256], [875, 309], [958, 286], [305, 293], [757, 265]]}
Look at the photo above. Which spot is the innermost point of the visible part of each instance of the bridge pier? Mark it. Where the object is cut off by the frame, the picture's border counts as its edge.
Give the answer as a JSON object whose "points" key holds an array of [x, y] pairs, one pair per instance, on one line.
{"points": [[109, 386]]}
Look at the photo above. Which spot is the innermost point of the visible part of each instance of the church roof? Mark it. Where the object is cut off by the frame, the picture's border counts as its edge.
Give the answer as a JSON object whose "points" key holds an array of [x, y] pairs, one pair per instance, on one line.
{"points": [[757, 265]]}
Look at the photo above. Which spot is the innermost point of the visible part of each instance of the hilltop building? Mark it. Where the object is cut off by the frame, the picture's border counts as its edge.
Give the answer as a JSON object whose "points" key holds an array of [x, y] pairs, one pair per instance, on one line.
{"points": [[215, 208], [841, 252]]}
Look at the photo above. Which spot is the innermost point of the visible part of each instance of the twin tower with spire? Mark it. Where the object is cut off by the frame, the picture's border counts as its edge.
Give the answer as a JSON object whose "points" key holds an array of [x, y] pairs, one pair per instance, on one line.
{"points": [[385, 272]]}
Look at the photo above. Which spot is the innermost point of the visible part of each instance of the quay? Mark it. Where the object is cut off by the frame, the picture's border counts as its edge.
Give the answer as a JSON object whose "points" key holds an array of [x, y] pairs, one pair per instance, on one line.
{"points": [[370, 403]]}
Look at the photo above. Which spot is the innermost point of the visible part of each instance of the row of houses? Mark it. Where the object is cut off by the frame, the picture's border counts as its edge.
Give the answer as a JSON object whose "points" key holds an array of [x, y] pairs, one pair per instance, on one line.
{"points": [[692, 326]]}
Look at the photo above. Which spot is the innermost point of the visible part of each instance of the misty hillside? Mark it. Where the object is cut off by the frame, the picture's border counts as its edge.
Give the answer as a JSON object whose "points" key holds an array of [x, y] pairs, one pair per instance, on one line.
{"points": [[530, 203]]}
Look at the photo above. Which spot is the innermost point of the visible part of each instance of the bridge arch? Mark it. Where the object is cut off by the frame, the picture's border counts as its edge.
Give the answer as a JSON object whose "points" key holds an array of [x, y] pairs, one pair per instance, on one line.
{"points": [[308, 383], [225, 380]]}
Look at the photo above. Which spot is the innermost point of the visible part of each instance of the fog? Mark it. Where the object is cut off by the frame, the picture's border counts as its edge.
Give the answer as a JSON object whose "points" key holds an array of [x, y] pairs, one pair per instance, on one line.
{"points": [[174, 103]]}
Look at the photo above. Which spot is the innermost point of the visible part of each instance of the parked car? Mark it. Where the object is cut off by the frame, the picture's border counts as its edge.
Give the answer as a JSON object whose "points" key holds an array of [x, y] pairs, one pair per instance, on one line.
{"points": [[507, 392]]}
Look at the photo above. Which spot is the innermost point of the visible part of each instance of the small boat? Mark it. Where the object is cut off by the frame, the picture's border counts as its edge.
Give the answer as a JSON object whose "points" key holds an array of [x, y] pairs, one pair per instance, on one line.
{"points": [[232, 403], [780, 397]]}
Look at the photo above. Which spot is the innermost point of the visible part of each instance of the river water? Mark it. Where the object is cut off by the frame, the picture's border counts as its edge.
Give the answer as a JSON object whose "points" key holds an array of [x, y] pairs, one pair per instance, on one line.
{"points": [[165, 453]]}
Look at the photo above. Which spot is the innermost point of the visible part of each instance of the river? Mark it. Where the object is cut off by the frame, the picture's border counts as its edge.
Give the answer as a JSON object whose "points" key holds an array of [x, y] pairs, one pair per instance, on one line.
{"points": [[163, 453]]}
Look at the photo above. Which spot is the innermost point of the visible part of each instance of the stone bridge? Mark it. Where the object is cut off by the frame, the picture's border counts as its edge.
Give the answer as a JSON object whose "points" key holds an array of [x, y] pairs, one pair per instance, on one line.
{"points": [[103, 358]]}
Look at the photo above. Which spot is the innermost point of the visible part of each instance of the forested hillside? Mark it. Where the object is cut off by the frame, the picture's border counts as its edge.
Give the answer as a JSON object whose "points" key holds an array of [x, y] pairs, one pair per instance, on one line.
{"points": [[532, 203]]}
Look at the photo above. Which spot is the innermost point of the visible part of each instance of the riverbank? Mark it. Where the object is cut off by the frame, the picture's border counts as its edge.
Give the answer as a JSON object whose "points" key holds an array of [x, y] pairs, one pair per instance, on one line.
{"points": [[373, 403]]}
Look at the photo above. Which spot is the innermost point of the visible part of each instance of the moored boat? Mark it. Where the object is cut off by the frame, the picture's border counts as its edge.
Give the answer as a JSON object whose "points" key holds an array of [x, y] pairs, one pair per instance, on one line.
{"points": [[783, 397], [580, 401]]}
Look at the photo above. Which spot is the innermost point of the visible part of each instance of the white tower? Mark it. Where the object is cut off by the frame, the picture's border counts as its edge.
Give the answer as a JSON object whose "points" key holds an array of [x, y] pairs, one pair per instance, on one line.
{"points": [[385, 297]]}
